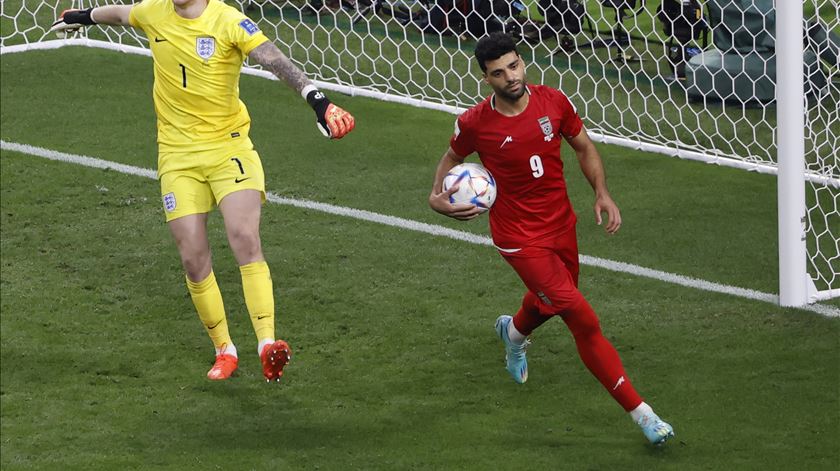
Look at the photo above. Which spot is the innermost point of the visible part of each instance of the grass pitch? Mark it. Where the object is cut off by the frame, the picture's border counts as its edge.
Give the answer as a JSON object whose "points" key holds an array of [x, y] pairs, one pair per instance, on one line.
{"points": [[396, 365]]}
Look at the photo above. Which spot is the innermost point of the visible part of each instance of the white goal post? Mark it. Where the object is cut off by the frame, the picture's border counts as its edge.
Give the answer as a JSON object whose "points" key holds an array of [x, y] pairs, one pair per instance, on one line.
{"points": [[750, 84], [790, 90]]}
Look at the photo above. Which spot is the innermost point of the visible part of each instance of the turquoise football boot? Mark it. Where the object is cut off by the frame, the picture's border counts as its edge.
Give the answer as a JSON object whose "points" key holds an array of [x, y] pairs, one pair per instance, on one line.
{"points": [[655, 429], [517, 364]]}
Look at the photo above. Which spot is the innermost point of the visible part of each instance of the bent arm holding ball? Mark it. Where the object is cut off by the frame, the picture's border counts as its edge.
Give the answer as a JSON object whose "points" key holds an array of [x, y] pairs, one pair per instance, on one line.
{"points": [[439, 199]]}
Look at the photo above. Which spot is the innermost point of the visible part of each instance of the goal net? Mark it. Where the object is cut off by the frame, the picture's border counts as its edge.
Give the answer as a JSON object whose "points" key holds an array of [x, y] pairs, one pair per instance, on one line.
{"points": [[695, 79]]}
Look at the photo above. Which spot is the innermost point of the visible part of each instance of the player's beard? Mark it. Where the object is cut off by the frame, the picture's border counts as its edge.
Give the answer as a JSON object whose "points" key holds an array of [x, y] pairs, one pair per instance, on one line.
{"points": [[511, 96]]}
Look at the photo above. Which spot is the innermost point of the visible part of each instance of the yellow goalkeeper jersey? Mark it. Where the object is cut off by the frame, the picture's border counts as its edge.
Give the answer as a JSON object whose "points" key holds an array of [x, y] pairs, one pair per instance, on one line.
{"points": [[197, 64]]}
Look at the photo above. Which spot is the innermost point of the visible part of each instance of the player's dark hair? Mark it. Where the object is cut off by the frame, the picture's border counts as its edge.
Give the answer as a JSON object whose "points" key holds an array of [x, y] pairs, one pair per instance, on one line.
{"points": [[492, 47]]}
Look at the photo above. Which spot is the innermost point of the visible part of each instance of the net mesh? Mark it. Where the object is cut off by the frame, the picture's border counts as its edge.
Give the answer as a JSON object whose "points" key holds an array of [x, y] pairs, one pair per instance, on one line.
{"points": [[822, 145], [683, 75]]}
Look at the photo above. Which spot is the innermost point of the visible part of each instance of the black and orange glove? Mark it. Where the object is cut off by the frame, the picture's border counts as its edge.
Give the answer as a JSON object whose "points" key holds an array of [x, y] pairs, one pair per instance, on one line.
{"points": [[332, 121]]}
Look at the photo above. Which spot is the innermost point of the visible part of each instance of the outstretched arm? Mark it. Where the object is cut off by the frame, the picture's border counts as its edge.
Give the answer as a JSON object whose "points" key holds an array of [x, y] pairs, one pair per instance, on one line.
{"points": [[333, 121], [269, 56], [71, 21], [593, 169], [439, 199], [116, 15]]}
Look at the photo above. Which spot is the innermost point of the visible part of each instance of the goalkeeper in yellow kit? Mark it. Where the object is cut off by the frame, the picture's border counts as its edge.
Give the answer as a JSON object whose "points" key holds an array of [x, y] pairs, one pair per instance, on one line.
{"points": [[205, 155]]}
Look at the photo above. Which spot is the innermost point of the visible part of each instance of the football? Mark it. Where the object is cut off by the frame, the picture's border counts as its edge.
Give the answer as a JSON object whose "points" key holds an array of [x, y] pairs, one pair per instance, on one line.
{"points": [[475, 185]]}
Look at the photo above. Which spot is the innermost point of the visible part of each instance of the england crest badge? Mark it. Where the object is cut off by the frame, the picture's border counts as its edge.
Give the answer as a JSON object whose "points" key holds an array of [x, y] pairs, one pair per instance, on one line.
{"points": [[205, 46], [545, 125], [169, 203]]}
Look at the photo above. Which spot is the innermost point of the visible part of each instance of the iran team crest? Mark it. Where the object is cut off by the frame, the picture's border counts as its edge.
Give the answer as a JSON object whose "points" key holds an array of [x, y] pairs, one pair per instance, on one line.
{"points": [[545, 125], [205, 47]]}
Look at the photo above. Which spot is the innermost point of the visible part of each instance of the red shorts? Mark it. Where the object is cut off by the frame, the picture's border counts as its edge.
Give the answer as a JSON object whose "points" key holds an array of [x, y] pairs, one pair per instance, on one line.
{"points": [[550, 271]]}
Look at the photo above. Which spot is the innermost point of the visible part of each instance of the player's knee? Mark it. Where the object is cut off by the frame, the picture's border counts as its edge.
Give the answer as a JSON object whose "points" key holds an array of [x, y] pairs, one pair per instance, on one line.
{"points": [[245, 244], [196, 271], [245, 239], [582, 320], [556, 301], [589, 326], [196, 264]]}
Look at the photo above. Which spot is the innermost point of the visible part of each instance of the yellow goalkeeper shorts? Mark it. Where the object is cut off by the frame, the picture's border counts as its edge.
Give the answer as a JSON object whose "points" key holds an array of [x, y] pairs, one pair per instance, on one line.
{"points": [[194, 182]]}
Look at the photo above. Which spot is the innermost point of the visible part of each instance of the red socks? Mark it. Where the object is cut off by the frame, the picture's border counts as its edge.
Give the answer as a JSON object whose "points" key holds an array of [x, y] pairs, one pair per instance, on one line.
{"points": [[597, 353], [600, 356]]}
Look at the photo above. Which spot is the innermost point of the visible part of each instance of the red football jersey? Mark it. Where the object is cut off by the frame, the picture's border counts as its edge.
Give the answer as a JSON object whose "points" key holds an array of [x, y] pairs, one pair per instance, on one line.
{"points": [[523, 154]]}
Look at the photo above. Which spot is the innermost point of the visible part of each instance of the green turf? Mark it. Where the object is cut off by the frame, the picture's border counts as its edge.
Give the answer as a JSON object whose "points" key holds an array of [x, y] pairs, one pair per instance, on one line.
{"points": [[396, 365], [665, 202]]}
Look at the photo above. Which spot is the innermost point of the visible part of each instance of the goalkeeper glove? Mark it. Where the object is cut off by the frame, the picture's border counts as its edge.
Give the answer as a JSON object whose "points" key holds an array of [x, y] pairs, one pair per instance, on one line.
{"points": [[332, 121], [71, 21]]}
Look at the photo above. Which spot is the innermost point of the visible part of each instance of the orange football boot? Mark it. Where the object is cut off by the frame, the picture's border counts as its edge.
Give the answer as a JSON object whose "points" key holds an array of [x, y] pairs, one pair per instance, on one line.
{"points": [[224, 367], [274, 358]]}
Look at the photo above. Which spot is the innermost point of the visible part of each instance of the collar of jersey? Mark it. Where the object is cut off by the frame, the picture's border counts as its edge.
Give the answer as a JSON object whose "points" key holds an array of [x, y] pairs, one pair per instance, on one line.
{"points": [[493, 101]]}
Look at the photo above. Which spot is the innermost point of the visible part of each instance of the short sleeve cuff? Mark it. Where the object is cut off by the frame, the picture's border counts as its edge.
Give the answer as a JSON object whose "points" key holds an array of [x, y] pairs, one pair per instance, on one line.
{"points": [[255, 41]]}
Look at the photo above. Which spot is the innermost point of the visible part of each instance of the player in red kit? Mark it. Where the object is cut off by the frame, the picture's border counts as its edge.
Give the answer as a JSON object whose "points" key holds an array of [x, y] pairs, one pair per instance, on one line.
{"points": [[517, 133]]}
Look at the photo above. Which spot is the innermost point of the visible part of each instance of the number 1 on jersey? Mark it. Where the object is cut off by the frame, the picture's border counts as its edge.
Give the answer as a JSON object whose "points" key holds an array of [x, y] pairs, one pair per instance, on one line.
{"points": [[537, 166], [183, 75], [239, 163]]}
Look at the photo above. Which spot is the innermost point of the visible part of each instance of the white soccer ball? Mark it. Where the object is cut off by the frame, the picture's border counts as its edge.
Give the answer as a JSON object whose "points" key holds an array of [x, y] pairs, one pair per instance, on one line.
{"points": [[475, 185]]}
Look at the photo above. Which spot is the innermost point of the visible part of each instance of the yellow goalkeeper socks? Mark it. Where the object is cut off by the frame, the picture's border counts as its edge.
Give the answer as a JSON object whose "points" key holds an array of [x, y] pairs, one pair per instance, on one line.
{"points": [[211, 310], [259, 297]]}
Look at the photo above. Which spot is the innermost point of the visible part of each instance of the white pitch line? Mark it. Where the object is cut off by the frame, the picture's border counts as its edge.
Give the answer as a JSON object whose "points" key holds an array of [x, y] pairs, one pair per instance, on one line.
{"points": [[825, 310]]}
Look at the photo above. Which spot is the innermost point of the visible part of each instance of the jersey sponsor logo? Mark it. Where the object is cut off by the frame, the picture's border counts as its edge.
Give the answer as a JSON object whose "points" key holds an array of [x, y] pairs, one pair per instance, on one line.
{"points": [[160, 40], [544, 298], [618, 383], [249, 26], [547, 129], [205, 47], [507, 139], [234, 134], [457, 129], [169, 203], [240, 180]]}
